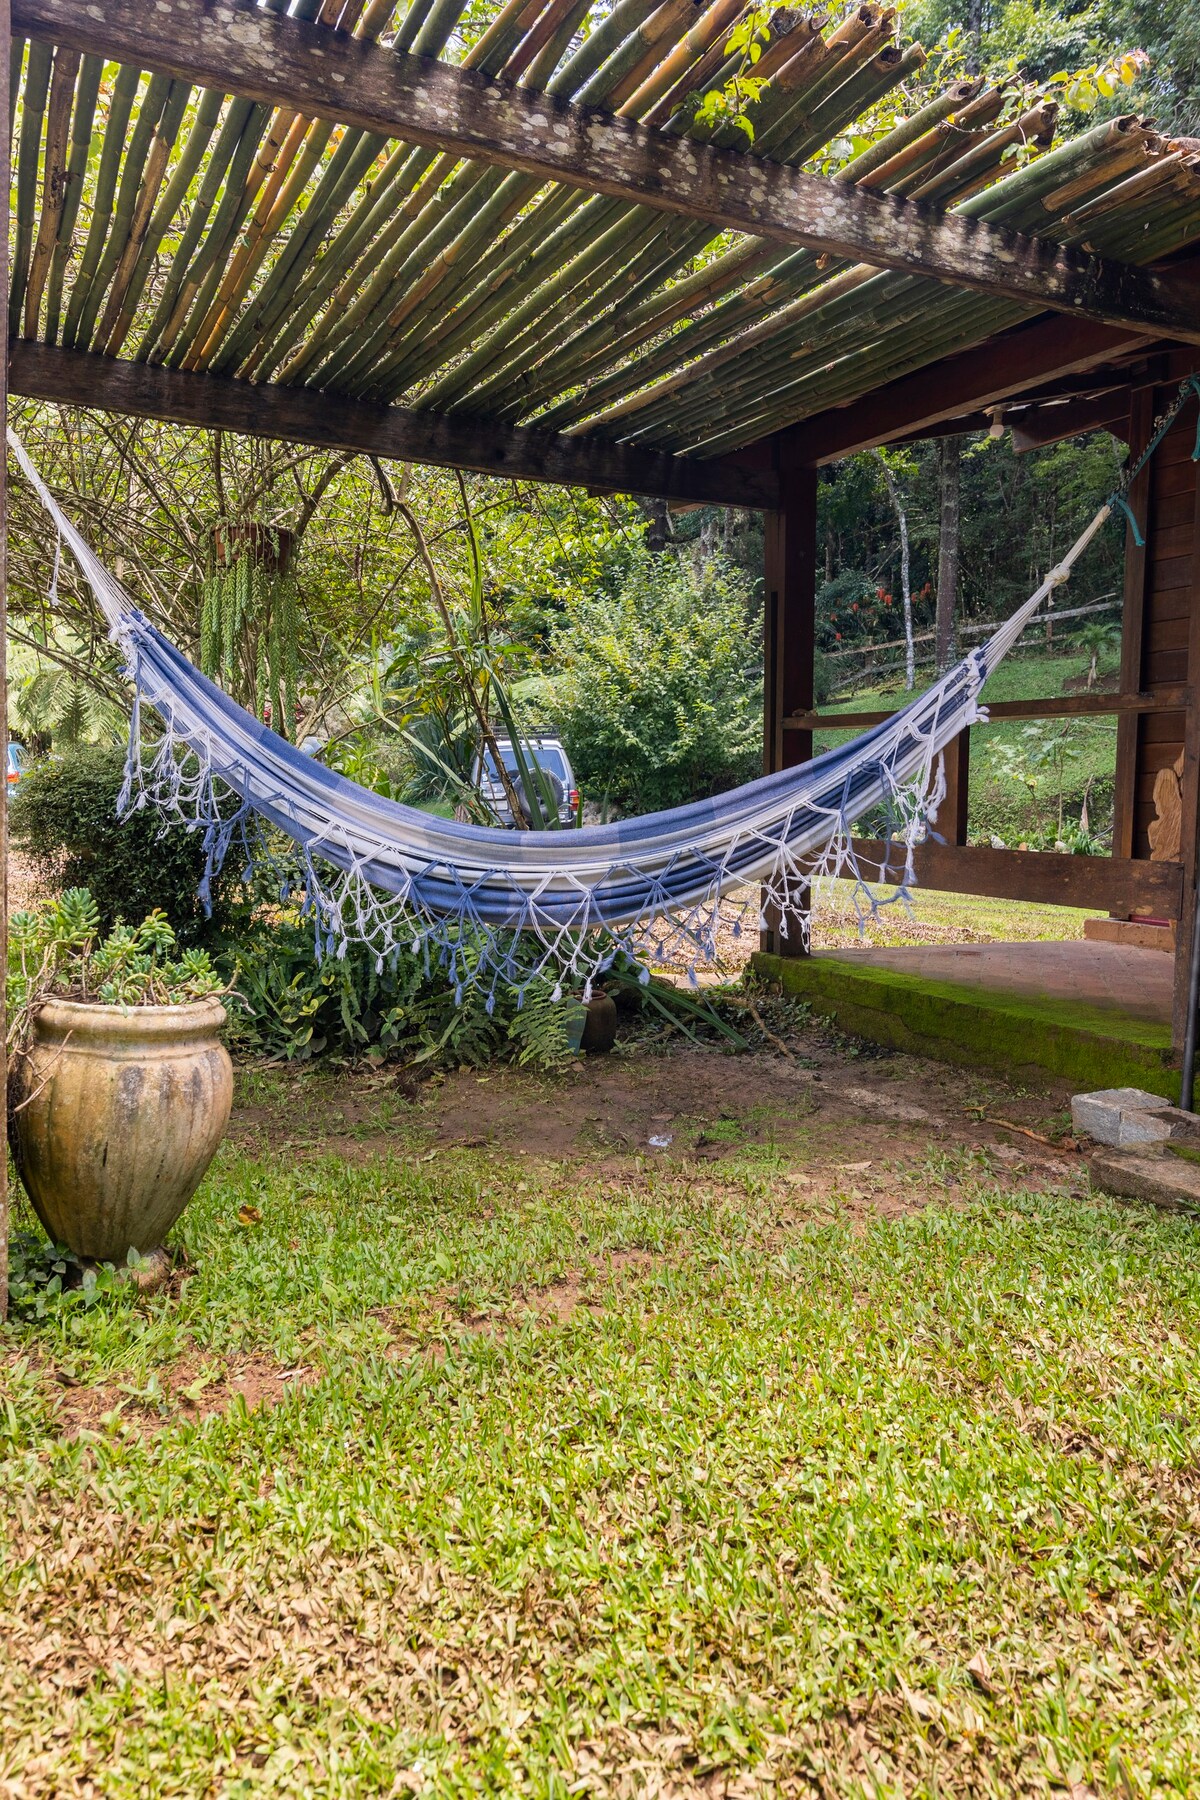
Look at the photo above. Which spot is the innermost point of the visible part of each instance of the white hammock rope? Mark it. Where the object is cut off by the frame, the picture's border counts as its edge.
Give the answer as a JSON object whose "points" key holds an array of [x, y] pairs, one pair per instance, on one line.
{"points": [[507, 906]]}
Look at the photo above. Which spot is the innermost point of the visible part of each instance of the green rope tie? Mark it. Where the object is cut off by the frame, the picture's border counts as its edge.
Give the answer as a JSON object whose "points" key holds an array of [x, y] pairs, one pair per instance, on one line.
{"points": [[1118, 500]]}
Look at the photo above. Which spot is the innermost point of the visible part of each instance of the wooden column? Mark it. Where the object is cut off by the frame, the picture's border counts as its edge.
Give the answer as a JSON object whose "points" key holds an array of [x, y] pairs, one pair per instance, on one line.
{"points": [[1133, 627], [789, 623], [5, 160], [951, 822], [1189, 850]]}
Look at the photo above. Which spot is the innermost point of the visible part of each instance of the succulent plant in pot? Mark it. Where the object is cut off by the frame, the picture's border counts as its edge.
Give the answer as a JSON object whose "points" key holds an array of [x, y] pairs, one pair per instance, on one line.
{"points": [[119, 1085]]}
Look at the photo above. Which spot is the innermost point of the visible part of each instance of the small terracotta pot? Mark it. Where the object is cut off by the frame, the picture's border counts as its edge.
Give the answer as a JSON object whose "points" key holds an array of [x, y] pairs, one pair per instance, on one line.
{"points": [[600, 1026], [115, 1114]]}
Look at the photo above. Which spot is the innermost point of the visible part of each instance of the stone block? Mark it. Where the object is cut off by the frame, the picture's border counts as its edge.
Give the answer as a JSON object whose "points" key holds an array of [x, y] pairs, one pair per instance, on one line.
{"points": [[1135, 932], [1120, 1116], [1171, 1182]]}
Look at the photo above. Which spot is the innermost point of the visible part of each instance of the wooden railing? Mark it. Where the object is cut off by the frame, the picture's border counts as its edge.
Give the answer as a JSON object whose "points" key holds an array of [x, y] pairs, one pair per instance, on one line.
{"points": [[1121, 885]]}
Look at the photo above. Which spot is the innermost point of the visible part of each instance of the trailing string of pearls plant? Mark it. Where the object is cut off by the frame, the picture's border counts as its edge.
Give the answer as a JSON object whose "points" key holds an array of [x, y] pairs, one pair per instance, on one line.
{"points": [[250, 622]]}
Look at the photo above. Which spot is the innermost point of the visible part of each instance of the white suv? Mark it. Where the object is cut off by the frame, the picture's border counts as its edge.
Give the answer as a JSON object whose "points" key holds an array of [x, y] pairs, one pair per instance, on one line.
{"points": [[550, 757]]}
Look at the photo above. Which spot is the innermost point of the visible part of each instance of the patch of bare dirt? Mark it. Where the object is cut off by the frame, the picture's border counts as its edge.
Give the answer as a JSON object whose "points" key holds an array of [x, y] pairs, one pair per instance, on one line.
{"points": [[24, 884], [558, 1303], [195, 1387], [862, 1127]]}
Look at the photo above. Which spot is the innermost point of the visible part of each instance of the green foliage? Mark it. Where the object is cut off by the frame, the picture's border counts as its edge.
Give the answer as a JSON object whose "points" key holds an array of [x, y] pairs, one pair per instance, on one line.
{"points": [[884, 1437], [64, 815], [659, 698], [1038, 760], [56, 948], [250, 632], [52, 703], [297, 1004], [41, 1284]]}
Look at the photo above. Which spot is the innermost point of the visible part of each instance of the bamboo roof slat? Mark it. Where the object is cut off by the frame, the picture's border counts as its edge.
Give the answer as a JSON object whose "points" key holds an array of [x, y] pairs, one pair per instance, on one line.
{"points": [[216, 234], [124, 93], [33, 114], [134, 175], [83, 116], [54, 182]]}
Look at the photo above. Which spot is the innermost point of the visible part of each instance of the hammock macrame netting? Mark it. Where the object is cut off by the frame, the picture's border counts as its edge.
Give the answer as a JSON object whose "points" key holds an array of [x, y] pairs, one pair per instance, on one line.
{"points": [[512, 906]]}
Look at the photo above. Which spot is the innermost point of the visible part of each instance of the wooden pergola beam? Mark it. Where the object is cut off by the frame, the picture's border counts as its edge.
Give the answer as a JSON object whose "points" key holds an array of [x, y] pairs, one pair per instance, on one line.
{"points": [[1040, 426], [961, 385], [306, 416], [237, 46]]}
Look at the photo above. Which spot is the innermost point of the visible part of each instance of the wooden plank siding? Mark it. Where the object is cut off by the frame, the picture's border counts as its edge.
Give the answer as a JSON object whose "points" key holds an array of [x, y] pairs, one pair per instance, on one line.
{"points": [[1161, 582]]}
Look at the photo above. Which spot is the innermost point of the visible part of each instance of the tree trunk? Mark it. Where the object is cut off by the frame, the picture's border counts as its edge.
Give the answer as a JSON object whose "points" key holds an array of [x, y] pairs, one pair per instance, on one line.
{"points": [[898, 507], [659, 530], [949, 521], [974, 36]]}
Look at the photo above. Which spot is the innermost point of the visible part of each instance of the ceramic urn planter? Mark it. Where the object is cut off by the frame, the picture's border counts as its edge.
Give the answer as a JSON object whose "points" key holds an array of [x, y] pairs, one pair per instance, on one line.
{"points": [[115, 1114]]}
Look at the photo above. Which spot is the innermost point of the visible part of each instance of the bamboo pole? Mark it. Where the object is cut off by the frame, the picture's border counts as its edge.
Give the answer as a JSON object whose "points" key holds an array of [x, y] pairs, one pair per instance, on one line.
{"points": [[206, 255], [1010, 200], [779, 275], [87, 92], [199, 137], [133, 176], [166, 134], [282, 143], [540, 386], [54, 182], [120, 106], [33, 115], [220, 155], [547, 60], [558, 15], [284, 308], [484, 356]]}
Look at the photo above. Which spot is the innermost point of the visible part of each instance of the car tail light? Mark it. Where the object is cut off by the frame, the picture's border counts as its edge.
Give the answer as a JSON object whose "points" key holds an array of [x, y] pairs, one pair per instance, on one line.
{"points": [[574, 799]]}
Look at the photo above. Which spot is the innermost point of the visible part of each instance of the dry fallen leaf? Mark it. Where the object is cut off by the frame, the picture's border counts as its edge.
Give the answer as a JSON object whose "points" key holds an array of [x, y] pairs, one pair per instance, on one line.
{"points": [[980, 1670], [248, 1215]]}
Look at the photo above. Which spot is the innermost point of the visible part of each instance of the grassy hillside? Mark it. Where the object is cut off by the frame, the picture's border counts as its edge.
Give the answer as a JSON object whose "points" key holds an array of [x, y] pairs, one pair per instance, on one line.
{"points": [[1001, 804]]}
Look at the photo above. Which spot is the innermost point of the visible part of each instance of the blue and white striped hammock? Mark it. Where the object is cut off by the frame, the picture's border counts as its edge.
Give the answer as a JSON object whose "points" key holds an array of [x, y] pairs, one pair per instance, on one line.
{"points": [[496, 905]]}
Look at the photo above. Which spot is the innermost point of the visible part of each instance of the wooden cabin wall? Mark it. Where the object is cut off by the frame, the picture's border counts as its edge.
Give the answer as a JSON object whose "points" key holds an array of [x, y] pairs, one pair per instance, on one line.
{"points": [[1161, 647]]}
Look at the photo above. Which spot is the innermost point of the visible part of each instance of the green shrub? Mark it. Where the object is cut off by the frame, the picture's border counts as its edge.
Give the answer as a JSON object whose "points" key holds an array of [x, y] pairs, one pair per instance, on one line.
{"points": [[295, 1005], [64, 815], [660, 696]]}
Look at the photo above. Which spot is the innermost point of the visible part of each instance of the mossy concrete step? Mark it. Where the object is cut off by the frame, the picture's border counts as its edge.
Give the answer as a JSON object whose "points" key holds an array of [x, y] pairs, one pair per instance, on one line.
{"points": [[1089, 1046]]}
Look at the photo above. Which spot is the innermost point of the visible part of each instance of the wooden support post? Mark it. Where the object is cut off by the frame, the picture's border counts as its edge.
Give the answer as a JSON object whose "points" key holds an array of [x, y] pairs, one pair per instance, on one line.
{"points": [[1189, 849], [951, 822], [5, 140], [789, 625], [1133, 624]]}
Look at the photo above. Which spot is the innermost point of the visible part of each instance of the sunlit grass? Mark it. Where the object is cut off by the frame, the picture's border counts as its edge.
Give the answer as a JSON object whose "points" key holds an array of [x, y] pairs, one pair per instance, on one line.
{"points": [[785, 1492]]}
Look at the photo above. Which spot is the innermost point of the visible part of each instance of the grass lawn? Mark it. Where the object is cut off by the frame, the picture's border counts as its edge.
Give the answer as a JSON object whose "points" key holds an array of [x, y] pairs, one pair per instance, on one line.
{"points": [[844, 1446]]}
